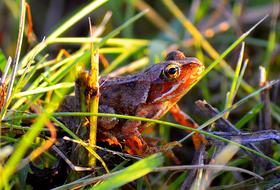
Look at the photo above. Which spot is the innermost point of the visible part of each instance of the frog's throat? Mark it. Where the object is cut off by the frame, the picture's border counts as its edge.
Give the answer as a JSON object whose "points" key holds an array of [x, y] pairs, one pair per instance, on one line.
{"points": [[168, 94]]}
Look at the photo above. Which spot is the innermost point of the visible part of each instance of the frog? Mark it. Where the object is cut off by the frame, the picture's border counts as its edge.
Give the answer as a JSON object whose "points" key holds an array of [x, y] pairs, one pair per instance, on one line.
{"points": [[150, 93]]}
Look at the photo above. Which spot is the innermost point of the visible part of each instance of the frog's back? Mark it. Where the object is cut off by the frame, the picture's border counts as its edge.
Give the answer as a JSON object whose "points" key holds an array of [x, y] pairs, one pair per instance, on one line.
{"points": [[123, 96], [126, 93]]}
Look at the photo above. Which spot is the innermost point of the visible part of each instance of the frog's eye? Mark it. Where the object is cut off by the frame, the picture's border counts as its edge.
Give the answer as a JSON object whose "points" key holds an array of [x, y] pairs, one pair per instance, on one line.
{"points": [[171, 71]]}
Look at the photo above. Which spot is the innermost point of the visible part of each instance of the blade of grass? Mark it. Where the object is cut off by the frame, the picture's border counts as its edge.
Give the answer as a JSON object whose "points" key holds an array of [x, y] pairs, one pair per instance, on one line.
{"points": [[54, 78], [6, 70], [120, 28], [31, 71], [130, 68], [94, 98], [121, 177], [155, 18], [239, 80], [175, 184], [131, 173], [236, 77], [275, 112], [249, 115], [272, 38], [222, 158], [44, 89], [111, 50], [19, 83], [119, 60], [129, 12], [208, 166], [111, 41]]}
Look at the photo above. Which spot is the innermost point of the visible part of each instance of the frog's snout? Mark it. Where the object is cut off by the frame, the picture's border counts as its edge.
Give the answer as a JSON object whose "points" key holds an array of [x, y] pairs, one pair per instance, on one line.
{"points": [[193, 68], [200, 68], [194, 63]]}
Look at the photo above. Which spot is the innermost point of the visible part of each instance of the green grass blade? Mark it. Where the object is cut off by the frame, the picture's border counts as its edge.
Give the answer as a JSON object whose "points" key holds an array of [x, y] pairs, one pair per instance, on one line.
{"points": [[248, 116], [241, 75], [131, 173], [120, 28], [112, 41], [275, 112], [233, 89], [119, 60], [44, 89]]}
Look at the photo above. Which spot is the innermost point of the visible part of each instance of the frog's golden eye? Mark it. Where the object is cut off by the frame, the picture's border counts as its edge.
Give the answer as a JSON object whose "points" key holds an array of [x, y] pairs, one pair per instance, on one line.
{"points": [[171, 71]]}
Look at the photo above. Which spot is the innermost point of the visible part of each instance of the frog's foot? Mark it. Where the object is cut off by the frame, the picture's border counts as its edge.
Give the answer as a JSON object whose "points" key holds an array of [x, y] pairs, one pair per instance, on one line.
{"points": [[198, 140], [105, 136], [135, 145], [170, 145]]}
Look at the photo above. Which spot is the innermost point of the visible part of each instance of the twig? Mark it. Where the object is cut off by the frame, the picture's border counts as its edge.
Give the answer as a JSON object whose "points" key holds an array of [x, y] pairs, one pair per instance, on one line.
{"points": [[247, 138], [222, 124], [70, 164], [265, 114], [197, 160], [121, 154]]}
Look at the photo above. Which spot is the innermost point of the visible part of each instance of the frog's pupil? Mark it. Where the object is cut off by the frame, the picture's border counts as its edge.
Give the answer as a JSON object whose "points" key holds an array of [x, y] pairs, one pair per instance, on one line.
{"points": [[172, 71]]}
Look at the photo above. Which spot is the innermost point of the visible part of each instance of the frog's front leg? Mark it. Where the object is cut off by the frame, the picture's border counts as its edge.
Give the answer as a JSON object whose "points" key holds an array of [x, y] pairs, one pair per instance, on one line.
{"points": [[106, 124], [132, 137], [134, 140], [186, 120]]}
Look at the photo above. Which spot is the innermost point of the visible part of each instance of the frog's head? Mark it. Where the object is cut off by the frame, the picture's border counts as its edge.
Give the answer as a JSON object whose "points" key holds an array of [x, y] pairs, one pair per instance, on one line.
{"points": [[174, 77]]}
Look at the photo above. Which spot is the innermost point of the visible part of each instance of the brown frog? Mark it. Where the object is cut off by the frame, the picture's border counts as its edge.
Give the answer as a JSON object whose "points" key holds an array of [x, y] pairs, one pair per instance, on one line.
{"points": [[150, 94]]}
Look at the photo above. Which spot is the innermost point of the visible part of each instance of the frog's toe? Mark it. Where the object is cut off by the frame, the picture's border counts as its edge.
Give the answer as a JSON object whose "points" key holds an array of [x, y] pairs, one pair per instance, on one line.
{"points": [[109, 138], [135, 145], [107, 122], [198, 140]]}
